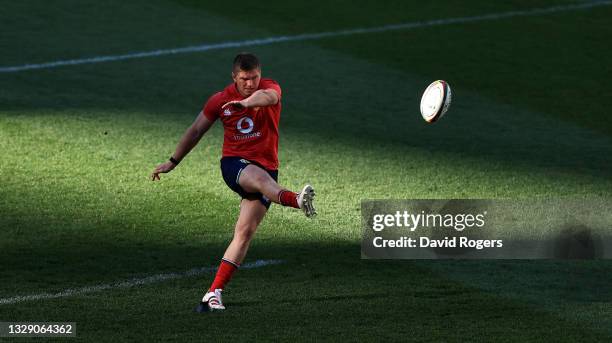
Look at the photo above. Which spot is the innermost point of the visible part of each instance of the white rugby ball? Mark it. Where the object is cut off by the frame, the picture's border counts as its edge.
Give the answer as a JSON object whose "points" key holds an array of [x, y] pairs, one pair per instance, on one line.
{"points": [[435, 101]]}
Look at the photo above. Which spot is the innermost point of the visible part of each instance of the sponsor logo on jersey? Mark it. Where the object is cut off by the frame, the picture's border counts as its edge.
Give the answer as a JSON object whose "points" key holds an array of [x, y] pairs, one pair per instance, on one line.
{"points": [[250, 135], [245, 125], [227, 112]]}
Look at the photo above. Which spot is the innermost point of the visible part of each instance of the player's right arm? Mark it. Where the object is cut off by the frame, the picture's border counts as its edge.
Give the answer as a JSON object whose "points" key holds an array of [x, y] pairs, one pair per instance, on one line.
{"points": [[188, 141]]}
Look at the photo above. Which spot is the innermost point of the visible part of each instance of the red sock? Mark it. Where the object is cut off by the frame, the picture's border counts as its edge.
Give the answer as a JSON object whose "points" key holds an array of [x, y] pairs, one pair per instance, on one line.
{"points": [[224, 274], [288, 198]]}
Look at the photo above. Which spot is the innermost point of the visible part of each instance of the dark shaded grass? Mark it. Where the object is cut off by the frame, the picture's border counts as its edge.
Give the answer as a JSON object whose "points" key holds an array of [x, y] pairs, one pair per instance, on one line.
{"points": [[310, 298]]}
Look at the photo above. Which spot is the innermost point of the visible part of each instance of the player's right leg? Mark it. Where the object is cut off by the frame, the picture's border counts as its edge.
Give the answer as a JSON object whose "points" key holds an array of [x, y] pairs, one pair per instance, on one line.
{"points": [[254, 179], [252, 213]]}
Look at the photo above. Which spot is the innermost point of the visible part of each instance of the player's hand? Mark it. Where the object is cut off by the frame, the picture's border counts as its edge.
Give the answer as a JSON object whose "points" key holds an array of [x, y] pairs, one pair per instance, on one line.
{"points": [[238, 104], [162, 168]]}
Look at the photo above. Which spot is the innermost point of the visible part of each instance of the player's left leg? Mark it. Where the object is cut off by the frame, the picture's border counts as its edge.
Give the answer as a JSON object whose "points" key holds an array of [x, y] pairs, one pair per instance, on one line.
{"points": [[252, 181], [252, 213], [255, 179]]}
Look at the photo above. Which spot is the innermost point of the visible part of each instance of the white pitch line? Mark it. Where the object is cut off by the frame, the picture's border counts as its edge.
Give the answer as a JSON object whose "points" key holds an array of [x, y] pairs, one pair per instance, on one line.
{"points": [[308, 36], [130, 283]]}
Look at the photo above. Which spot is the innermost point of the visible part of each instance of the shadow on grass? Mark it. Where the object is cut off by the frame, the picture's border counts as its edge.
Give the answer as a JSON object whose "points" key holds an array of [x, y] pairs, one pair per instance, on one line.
{"points": [[321, 299], [317, 282], [86, 258]]}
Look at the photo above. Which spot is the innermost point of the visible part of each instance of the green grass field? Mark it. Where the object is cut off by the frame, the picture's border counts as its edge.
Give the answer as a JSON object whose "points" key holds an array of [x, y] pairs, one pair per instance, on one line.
{"points": [[530, 119]]}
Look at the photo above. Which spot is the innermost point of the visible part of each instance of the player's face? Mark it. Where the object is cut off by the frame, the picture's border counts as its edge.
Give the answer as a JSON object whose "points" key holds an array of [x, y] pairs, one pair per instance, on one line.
{"points": [[247, 82]]}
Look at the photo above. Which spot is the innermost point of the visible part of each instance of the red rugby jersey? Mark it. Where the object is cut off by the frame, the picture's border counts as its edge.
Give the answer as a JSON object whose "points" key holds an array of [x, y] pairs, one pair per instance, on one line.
{"points": [[250, 133]]}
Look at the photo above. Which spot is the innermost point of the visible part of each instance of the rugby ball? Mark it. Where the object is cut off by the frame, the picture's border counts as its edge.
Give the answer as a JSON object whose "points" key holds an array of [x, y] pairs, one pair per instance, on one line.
{"points": [[435, 101]]}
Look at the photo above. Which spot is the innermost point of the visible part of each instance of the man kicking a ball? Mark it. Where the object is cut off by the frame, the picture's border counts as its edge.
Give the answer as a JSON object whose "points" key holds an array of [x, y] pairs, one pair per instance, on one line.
{"points": [[250, 111]]}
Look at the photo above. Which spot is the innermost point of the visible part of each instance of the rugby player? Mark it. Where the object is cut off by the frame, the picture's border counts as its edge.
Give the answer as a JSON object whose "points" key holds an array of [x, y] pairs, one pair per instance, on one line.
{"points": [[249, 109]]}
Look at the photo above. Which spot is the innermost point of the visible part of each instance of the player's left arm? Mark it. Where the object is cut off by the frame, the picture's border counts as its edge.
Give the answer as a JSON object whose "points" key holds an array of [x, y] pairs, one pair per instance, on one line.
{"points": [[260, 98]]}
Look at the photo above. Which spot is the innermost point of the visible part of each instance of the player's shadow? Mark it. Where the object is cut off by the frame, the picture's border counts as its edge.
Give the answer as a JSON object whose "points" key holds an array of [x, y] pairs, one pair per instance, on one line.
{"points": [[317, 299], [577, 242]]}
